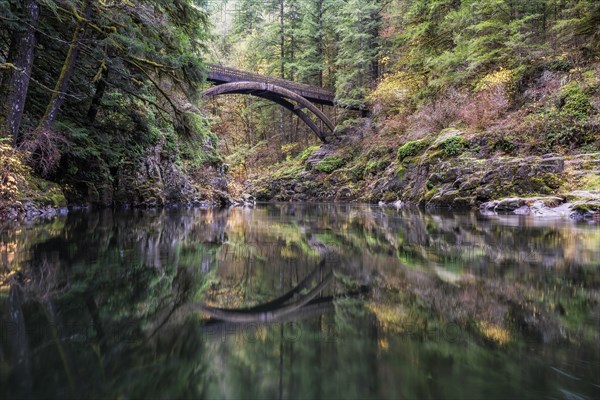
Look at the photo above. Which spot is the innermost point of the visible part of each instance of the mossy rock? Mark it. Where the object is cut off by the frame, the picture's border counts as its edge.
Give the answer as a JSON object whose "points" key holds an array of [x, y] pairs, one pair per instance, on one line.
{"points": [[411, 149], [330, 164], [552, 181], [584, 208], [45, 193], [303, 156], [375, 166], [389, 197], [453, 146], [429, 195], [358, 172]]}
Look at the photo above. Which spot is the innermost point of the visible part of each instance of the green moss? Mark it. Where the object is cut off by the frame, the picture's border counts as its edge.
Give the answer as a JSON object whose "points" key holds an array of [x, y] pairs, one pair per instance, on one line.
{"points": [[552, 181], [358, 171], [330, 164], [57, 198], [527, 186], [44, 193], [377, 165], [400, 171], [575, 102], [291, 172], [306, 153], [591, 182], [329, 238], [587, 207], [429, 195], [411, 149], [453, 146]]}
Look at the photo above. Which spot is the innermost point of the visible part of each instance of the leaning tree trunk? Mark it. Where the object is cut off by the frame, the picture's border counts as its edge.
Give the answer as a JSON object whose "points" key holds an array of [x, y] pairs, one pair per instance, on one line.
{"points": [[66, 73], [101, 85], [13, 91]]}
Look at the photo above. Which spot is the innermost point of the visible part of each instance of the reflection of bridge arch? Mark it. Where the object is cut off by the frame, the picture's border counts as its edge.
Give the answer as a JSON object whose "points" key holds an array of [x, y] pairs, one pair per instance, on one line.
{"points": [[279, 95], [269, 312]]}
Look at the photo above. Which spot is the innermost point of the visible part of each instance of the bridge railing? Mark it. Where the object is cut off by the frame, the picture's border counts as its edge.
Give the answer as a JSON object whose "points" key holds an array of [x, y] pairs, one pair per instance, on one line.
{"points": [[215, 69]]}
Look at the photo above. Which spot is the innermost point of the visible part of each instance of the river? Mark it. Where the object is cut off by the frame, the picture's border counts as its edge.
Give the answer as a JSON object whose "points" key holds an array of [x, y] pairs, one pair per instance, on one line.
{"points": [[299, 301]]}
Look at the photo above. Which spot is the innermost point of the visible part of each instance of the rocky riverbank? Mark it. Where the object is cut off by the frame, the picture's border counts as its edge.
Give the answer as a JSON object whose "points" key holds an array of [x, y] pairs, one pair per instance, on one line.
{"points": [[154, 181], [452, 170]]}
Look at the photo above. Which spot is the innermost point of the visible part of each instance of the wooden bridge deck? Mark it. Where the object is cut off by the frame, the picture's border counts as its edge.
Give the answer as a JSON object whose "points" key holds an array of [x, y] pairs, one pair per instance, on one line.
{"points": [[220, 74]]}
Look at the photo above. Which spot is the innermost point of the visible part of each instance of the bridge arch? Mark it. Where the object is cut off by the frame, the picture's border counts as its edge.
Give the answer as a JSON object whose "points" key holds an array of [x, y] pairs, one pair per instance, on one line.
{"points": [[279, 95]]}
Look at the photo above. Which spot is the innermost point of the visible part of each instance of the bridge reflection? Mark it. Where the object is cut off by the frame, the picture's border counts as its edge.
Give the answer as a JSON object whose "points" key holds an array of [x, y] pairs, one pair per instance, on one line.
{"points": [[301, 301]]}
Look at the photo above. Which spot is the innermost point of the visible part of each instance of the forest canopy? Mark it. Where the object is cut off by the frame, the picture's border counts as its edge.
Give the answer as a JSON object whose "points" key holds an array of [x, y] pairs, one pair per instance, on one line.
{"points": [[90, 88]]}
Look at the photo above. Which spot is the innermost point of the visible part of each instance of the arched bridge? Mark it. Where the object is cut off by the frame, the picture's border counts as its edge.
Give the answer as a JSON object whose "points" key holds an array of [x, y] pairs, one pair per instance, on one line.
{"points": [[293, 96]]}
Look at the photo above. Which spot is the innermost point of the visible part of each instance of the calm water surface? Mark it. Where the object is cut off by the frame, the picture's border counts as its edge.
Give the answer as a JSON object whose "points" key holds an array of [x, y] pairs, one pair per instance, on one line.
{"points": [[299, 301]]}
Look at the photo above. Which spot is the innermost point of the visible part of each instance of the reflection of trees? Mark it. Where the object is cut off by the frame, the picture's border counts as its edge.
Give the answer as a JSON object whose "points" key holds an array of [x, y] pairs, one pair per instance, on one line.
{"points": [[101, 305], [510, 274], [85, 296]]}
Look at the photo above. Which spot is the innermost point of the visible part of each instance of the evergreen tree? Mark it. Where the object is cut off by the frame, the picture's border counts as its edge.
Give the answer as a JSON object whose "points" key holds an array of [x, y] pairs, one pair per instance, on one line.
{"points": [[357, 26]]}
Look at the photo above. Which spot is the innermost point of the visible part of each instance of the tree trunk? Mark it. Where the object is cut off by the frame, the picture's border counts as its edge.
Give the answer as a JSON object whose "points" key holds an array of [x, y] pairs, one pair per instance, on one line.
{"points": [[282, 62], [281, 40], [13, 91], [251, 124], [62, 85], [320, 51], [19, 352], [97, 99]]}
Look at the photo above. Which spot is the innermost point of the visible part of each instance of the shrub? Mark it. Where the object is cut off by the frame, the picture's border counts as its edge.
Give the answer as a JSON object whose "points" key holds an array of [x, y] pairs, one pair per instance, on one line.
{"points": [[411, 149], [453, 146], [575, 102], [502, 78], [44, 149], [12, 168], [439, 114], [504, 145], [492, 97], [572, 123], [329, 164], [395, 91], [358, 171], [485, 107], [559, 66]]}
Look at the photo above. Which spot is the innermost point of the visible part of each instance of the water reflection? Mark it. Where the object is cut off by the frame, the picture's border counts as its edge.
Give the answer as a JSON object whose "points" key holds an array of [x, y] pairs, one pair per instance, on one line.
{"points": [[288, 300]]}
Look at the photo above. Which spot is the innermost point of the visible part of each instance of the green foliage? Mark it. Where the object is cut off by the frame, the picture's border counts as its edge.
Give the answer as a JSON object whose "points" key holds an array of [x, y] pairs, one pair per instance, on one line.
{"points": [[562, 130], [330, 164], [395, 92], [453, 146], [571, 123], [358, 171], [12, 170], [559, 65], [356, 23], [136, 78], [376, 165], [504, 145], [306, 153], [411, 149], [575, 102], [456, 43]]}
